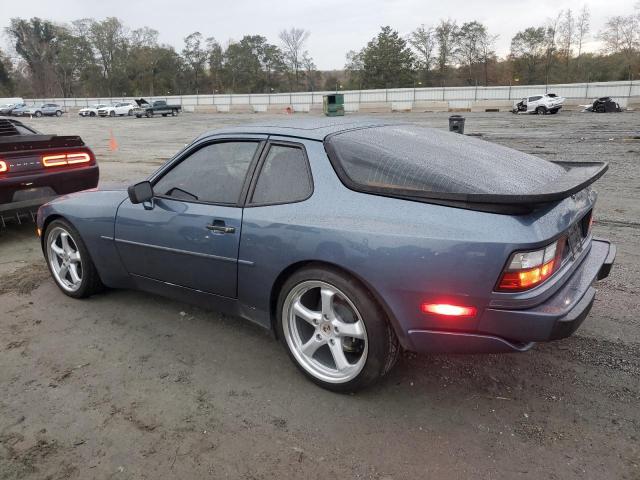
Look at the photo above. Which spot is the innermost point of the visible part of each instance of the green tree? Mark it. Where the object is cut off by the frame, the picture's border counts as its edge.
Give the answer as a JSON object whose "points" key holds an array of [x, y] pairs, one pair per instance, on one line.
{"points": [[446, 33], [387, 61], [35, 41], [110, 41], [527, 53], [6, 82]]}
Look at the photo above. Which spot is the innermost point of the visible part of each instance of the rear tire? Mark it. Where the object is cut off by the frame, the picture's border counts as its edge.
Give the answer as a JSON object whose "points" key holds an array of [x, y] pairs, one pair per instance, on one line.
{"points": [[38, 114], [317, 308], [174, 113], [92, 114], [112, 113], [58, 113], [541, 111], [69, 261]]}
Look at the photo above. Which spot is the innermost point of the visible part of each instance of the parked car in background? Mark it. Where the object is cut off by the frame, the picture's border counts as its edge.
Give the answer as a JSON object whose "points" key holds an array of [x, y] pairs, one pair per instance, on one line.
{"points": [[48, 109], [158, 107], [350, 240], [8, 108], [91, 111], [19, 110], [35, 168], [546, 103], [116, 109]]}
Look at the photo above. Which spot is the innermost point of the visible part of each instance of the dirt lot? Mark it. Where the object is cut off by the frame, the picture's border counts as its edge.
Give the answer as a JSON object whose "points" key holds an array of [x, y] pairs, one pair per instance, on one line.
{"points": [[132, 386]]}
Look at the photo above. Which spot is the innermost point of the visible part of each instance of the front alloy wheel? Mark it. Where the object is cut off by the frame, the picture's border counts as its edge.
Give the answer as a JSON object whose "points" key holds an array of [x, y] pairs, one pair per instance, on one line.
{"points": [[69, 261], [64, 259]]}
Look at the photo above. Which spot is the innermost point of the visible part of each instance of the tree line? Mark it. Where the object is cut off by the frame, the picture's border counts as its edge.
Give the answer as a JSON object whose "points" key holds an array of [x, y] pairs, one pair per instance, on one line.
{"points": [[90, 57]]}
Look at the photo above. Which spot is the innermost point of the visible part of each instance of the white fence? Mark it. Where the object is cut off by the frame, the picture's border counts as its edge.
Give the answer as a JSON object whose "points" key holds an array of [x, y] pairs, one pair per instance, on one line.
{"points": [[395, 98]]}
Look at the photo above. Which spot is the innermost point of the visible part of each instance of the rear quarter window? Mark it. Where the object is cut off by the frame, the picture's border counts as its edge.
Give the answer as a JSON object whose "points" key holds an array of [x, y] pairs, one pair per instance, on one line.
{"points": [[284, 177]]}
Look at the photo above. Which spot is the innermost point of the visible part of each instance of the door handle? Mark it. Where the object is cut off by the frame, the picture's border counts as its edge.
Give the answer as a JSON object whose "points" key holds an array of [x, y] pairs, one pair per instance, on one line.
{"points": [[220, 227]]}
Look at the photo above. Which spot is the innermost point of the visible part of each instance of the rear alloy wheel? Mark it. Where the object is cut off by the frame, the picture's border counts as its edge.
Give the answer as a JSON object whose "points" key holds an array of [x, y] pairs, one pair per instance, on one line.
{"points": [[69, 262], [334, 331], [92, 114], [541, 111], [38, 114], [58, 113]]}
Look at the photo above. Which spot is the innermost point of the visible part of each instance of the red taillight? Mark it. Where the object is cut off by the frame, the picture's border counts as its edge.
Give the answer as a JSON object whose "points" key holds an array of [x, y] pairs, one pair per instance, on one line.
{"points": [[3, 166], [60, 159], [528, 269], [448, 310]]}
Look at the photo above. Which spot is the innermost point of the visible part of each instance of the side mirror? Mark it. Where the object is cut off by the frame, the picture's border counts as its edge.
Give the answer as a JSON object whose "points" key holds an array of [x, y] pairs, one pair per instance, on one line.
{"points": [[140, 192]]}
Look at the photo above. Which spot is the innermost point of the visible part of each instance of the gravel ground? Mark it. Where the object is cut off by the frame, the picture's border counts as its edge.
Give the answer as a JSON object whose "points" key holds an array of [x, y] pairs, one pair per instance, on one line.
{"points": [[132, 386]]}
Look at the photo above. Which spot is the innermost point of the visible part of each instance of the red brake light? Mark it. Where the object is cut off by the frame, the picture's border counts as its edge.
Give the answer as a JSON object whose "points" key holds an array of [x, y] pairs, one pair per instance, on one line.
{"points": [[3, 166], [60, 159], [448, 310]]}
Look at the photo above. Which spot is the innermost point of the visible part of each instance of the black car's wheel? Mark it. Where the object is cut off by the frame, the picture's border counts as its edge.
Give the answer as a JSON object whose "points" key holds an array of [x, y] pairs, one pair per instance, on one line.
{"points": [[69, 261], [112, 113], [149, 114], [58, 113], [38, 114], [541, 111], [174, 112], [334, 330]]}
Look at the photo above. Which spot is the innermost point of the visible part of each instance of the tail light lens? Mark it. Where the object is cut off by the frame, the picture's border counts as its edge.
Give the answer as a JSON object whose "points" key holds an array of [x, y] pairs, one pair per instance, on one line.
{"points": [[529, 269], [3, 166], [61, 159]]}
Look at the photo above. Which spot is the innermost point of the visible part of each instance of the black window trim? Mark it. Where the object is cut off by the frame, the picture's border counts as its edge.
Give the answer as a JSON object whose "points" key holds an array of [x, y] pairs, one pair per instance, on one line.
{"points": [[256, 175], [187, 152]]}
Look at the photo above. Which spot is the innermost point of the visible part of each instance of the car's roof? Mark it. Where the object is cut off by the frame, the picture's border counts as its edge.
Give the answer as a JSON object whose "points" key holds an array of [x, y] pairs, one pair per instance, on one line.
{"points": [[310, 128]]}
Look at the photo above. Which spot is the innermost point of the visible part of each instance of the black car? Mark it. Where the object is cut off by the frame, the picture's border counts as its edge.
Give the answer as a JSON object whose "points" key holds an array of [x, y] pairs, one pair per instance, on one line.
{"points": [[35, 168], [604, 105]]}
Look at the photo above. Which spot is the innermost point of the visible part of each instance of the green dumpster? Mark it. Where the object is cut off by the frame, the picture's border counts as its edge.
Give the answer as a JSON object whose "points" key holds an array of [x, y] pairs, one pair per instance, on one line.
{"points": [[333, 105]]}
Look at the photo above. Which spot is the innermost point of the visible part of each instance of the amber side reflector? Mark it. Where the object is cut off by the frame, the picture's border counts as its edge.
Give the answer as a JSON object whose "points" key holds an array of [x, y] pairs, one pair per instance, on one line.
{"points": [[61, 159], [448, 310], [3, 166]]}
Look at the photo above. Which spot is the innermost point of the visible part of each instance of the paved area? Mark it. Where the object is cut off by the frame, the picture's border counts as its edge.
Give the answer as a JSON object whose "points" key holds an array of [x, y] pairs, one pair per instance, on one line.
{"points": [[128, 385]]}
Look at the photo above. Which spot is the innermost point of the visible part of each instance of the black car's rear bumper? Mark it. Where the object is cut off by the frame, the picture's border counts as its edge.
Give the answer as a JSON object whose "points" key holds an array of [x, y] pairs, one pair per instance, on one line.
{"points": [[517, 330], [25, 193]]}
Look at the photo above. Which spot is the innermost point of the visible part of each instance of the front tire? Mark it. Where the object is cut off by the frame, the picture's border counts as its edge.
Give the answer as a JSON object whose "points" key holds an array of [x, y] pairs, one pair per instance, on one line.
{"points": [[112, 113], [38, 114], [58, 113], [541, 111], [174, 112], [69, 262], [334, 330]]}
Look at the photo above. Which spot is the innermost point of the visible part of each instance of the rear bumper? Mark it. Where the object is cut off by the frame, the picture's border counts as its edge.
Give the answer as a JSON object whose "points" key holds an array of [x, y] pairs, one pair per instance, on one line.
{"points": [[24, 194], [517, 330]]}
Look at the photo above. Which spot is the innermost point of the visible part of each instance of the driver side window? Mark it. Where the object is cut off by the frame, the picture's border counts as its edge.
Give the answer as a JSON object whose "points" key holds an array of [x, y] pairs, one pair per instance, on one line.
{"points": [[214, 173]]}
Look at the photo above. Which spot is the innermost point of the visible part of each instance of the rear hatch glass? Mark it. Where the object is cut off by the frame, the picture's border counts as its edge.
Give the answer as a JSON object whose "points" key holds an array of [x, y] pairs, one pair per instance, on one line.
{"points": [[427, 161]]}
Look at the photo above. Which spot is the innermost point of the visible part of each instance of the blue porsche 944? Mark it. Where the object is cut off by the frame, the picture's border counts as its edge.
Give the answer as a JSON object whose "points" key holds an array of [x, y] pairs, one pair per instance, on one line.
{"points": [[350, 240]]}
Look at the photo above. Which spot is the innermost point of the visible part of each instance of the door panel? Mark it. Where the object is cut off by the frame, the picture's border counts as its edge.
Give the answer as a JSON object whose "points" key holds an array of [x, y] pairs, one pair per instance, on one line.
{"points": [[171, 243]]}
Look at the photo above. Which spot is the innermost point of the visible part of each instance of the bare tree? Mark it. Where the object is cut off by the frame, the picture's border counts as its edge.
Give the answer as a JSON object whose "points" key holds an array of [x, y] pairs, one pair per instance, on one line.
{"points": [[567, 35], [622, 35], [550, 42], [293, 42], [196, 57], [582, 28], [423, 40], [487, 53]]}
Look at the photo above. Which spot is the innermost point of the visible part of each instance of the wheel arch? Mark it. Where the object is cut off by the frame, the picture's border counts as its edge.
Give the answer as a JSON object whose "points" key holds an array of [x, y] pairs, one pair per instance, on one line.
{"points": [[294, 267]]}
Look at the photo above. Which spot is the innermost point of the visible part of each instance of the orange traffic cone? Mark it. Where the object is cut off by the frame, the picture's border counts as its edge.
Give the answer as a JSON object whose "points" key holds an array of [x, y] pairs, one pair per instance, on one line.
{"points": [[113, 144]]}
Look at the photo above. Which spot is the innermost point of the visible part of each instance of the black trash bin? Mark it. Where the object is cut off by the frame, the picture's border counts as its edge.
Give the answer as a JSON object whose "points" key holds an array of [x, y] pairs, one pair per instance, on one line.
{"points": [[456, 124]]}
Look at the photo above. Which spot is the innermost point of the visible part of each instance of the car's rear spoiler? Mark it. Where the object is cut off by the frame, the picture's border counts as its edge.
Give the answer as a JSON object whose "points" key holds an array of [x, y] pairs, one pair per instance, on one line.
{"points": [[578, 176], [19, 143]]}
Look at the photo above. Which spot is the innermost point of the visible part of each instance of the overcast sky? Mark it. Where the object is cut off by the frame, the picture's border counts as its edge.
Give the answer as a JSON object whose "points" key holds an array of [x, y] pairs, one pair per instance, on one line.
{"points": [[336, 26]]}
